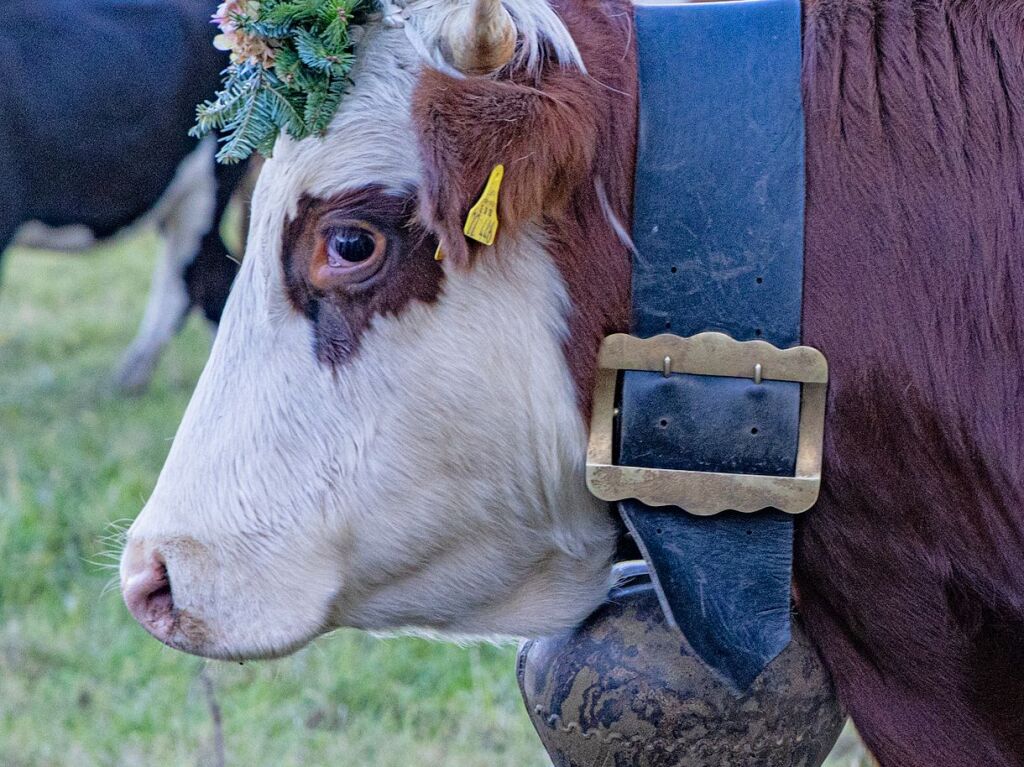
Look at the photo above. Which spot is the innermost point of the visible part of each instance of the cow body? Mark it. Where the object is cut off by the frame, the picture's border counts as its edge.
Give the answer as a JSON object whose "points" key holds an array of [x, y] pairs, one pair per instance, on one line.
{"points": [[909, 566], [387, 442], [96, 103]]}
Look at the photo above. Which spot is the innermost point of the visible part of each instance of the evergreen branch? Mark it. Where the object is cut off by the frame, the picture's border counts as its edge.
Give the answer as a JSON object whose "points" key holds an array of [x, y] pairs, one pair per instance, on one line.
{"points": [[313, 52], [321, 106], [239, 140], [286, 116], [289, 72]]}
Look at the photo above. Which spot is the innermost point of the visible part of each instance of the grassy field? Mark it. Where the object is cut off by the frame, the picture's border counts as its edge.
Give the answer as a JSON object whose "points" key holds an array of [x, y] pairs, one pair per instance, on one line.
{"points": [[80, 683]]}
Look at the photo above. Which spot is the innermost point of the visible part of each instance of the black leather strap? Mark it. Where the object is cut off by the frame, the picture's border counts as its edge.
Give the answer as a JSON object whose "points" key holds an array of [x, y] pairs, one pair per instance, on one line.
{"points": [[718, 226]]}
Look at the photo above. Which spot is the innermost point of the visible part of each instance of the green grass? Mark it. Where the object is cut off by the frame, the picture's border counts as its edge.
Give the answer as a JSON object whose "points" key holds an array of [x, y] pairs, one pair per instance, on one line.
{"points": [[80, 682]]}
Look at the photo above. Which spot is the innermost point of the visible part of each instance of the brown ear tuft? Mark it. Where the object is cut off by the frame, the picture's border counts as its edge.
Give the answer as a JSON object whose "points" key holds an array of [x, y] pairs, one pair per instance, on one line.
{"points": [[544, 135]]}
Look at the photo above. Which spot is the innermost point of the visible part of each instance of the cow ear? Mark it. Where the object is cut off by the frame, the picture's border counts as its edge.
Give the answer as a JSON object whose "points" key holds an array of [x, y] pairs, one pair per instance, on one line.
{"points": [[544, 133]]}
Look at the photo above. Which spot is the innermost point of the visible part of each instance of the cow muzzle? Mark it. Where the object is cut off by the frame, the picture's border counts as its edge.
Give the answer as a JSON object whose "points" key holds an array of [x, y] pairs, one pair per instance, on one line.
{"points": [[225, 596]]}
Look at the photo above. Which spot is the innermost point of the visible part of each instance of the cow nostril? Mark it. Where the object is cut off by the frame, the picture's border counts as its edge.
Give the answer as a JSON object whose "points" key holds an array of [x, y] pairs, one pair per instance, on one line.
{"points": [[148, 594], [160, 599]]}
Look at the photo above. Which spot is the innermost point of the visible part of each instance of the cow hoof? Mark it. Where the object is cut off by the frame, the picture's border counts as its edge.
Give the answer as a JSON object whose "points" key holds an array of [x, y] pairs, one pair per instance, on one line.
{"points": [[134, 373], [623, 689]]}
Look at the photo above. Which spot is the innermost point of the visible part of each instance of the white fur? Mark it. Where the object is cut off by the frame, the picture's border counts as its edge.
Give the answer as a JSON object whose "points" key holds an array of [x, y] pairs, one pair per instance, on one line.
{"points": [[612, 218], [434, 481]]}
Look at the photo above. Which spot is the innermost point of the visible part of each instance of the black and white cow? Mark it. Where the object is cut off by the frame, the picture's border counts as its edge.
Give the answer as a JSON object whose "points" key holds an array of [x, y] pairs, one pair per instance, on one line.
{"points": [[96, 99]]}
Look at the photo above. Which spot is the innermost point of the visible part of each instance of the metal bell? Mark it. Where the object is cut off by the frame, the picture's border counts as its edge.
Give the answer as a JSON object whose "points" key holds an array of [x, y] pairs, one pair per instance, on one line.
{"points": [[623, 690]]}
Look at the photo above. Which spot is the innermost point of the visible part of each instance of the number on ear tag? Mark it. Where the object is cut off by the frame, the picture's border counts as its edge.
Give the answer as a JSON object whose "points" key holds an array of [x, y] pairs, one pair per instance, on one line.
{"points": [[482, 221]]}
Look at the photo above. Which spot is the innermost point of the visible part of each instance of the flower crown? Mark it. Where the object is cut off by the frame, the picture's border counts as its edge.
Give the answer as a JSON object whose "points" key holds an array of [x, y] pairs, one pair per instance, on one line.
{"points": [[289, 68]]}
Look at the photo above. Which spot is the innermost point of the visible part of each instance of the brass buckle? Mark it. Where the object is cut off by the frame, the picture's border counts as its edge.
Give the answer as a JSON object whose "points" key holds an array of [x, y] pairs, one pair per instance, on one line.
{"points": [[701, 492]]}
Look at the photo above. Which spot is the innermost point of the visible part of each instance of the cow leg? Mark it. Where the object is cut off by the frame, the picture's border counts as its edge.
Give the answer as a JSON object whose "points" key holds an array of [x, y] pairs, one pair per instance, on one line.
{"points": [[166, 309], [10, 213], [6, 235], [187, 222], [8, 228]]}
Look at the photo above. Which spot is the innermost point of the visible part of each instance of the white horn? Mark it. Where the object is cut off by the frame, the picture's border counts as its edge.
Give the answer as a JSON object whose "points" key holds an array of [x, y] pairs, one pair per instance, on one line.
{"points": [[480, 38]]}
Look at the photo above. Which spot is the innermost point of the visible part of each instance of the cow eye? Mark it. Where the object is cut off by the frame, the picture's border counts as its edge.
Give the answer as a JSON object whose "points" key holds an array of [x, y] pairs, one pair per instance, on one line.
{"points": [[350, 245], [349, 254]]}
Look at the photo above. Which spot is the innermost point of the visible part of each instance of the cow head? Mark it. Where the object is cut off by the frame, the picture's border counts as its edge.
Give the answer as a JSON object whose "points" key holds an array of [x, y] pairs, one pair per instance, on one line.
{"points": [[383, 440]]}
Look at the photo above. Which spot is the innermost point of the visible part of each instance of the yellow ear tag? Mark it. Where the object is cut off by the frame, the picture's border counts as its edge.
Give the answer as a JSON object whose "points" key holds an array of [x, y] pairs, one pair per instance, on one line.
{"points": [[439, 254], [482, 221]]}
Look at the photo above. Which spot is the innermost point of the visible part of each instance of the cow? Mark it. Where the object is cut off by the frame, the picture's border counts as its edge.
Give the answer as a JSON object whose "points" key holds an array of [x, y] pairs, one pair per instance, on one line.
{"points": [[96, 101], [382, 440]]}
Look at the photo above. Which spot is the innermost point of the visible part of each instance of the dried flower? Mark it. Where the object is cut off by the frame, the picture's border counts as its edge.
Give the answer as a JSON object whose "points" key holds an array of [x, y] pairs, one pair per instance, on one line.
{"points": [[244, 47]]}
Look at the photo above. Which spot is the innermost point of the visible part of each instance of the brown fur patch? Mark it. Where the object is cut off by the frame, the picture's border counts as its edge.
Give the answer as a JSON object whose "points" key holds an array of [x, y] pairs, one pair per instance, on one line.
{"points": [[189, 631], [910, 565], [340, 315]]}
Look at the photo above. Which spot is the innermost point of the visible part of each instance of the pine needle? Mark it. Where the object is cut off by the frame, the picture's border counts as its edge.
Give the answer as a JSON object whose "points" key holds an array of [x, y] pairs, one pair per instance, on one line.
{"points": [[295, 87]]}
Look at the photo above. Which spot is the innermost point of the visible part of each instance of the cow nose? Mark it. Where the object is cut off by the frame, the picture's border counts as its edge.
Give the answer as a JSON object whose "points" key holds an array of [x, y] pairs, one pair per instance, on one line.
{"points": [[146, 588]]}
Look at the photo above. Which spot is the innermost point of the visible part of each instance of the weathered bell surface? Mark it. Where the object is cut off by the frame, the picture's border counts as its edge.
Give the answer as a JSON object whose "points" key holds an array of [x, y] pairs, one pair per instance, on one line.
{"points": [[623, 691]]}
